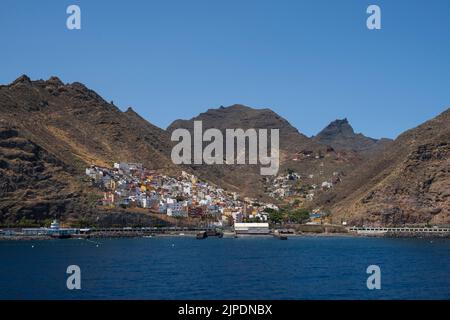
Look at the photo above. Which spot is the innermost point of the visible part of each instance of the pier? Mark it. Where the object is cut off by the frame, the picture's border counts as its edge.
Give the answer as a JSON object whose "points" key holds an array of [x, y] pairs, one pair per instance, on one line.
{"points": [[150, 229], [399, 230], [125, 232]]}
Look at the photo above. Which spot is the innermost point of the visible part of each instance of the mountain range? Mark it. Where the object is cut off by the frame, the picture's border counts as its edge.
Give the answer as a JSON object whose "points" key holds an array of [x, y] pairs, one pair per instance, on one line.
{"points": [[51, 131]]}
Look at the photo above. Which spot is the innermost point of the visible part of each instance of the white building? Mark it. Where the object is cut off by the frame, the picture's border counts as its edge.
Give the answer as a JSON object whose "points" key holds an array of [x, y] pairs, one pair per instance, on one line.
{"points": [[251, 228], [327, 184]]}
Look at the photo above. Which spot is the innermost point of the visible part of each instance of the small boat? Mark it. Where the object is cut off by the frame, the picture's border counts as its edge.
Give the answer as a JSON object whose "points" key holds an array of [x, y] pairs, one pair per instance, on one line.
{"points": [[202, 235], [280, 236], [215, 233]]}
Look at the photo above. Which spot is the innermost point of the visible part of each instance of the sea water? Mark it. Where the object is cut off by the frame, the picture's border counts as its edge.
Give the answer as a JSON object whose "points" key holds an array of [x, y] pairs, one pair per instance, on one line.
{"points": [[228, 268]]}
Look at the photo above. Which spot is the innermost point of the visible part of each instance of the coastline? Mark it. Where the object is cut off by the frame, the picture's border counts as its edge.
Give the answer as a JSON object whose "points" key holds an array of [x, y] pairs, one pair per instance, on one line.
{"points": [[104, 235]]}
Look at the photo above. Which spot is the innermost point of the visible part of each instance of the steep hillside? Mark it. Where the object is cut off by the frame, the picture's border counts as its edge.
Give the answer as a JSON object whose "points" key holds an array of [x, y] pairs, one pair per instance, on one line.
{"points": [[297, 152], [34, 185], [51, 132], [76, 124], [407, 183]]}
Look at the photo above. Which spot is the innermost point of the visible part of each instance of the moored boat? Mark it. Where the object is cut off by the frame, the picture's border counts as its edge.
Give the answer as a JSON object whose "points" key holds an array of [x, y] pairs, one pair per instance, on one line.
{"points": [[202, 235]]}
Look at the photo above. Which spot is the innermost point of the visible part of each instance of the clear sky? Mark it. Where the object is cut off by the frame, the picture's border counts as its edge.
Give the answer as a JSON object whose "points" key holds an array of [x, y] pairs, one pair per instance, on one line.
{"points": [[309, 61]]}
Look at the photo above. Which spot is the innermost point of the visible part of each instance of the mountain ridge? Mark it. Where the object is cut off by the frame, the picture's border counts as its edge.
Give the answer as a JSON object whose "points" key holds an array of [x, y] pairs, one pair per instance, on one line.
{"points": [[293, 145], [76, 127], [407, 183], [53, 131]]}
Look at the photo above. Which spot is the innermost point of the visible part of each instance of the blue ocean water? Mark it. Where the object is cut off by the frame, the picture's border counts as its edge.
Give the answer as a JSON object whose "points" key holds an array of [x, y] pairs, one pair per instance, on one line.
{"points": [[243, 268]]}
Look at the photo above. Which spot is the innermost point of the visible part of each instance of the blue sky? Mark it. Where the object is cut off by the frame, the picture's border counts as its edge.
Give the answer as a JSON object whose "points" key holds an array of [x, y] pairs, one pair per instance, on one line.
{"points": [[309, 61]]}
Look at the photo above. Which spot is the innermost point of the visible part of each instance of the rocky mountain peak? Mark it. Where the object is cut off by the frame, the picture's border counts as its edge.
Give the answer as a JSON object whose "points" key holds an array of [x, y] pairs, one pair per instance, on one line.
{"points": [[337, 127], [339, 134], [133, 114], [23, 79], [55, 81]]}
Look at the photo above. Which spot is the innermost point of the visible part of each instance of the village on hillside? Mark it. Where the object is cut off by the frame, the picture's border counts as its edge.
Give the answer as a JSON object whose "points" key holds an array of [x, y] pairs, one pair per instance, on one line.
{"points": [[302, 188], [130, 185]]}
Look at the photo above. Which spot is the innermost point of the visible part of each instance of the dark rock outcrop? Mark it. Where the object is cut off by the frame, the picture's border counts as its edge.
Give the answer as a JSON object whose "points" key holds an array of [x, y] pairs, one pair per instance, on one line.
{"points": [[339, 134]]}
